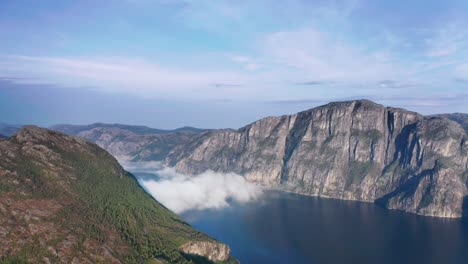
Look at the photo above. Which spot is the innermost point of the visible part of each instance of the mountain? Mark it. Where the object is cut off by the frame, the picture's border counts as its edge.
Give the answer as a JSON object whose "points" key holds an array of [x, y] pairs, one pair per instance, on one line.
{"points": [[188, 129], [132, 143], [65, 200], [353, 150], [7, 130], [460, 118], [138, 130]]}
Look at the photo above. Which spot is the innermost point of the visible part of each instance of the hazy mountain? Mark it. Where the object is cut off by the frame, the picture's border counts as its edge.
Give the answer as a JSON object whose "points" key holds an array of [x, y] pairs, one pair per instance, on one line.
{"points": [[65, 200], [7, 130], [134, 143], [138, 130], [460, 118], [354, 150]]}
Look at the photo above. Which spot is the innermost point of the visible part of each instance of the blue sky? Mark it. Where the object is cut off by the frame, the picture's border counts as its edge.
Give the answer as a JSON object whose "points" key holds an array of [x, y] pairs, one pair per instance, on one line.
{"points": [[169, 63]]}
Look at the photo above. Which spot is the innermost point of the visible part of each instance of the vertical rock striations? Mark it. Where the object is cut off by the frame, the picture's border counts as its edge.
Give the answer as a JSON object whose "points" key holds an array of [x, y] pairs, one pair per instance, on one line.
{"points": [[354, 150]]}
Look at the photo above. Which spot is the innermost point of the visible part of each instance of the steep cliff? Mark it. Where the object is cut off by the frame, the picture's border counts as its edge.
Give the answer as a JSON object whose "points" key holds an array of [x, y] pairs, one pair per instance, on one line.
{"points": [[355, 150], [65, 200]]}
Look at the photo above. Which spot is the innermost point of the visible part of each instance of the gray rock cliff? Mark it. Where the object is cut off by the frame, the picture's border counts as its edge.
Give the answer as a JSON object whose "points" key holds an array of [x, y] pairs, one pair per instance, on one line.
{"points": [[354, 150]]}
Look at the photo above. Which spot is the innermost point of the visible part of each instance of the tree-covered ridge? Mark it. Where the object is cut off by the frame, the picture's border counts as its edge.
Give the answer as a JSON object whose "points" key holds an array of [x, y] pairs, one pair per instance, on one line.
{"points": [[63, 199]]}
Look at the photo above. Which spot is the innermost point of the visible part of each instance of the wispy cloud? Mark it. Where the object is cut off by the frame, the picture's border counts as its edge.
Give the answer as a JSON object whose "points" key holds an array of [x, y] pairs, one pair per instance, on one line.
{"points": [[424, 102], [311, 83], [394, 84], [419, 102], [127, 75], [299, 102], [461, 72], [228, 85], [246, 62], [321, 50], [448, 40], [239, 58], [324, 56]]}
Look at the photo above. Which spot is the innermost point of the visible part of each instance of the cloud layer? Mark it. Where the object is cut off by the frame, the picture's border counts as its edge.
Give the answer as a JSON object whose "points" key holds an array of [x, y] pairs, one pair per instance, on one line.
{"points": [[185, 50], [179, 192]]}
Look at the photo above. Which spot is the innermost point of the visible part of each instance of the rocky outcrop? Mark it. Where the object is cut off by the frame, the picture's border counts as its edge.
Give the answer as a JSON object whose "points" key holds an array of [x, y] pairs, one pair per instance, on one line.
{"points": [[214, 251], [354, 150]]}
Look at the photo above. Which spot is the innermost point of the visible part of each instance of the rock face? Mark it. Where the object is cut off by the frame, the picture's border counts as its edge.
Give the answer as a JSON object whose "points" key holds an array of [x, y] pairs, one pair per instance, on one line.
{"points": [[354, 150], [132, 143], [66, 200], [213, 251]]}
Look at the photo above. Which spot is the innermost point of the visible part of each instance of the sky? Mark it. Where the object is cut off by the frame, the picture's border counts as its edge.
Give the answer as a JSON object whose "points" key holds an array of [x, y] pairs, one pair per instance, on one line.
{"points": [[215, 64]]}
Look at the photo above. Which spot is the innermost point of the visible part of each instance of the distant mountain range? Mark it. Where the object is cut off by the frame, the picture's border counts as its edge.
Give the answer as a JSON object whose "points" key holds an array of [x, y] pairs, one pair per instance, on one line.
{"points": [[7, 130], [460, 118], [127, 142], [132, 143], [138, 130], [66, 200]]}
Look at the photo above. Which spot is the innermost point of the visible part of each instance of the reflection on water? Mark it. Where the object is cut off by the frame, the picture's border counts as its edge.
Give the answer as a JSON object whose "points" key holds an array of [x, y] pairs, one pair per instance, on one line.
{"points": [[288, 228]]}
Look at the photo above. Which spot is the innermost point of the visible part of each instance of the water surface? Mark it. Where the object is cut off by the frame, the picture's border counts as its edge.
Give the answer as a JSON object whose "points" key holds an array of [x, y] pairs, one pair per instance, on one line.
{"points": [[289, 228]]}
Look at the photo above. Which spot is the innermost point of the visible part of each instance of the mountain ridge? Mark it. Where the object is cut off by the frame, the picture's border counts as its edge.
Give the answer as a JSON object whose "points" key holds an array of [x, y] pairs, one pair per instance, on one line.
{"points": [[137, 129], [132, 143], [460, 118], [7, 130], [65, 200]]}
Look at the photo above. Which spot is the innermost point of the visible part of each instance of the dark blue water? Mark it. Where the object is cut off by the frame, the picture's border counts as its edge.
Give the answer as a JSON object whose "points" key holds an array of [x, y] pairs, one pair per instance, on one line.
{"points": [[288, 228]]}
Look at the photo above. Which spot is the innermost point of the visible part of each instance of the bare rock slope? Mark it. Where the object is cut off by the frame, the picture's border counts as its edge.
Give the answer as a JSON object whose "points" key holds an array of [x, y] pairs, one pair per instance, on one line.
{"points": [[354, 150]]}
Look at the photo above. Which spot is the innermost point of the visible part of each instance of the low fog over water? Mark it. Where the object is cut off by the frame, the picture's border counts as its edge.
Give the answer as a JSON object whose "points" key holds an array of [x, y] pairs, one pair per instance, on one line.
{"points": [[179, 192]]}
